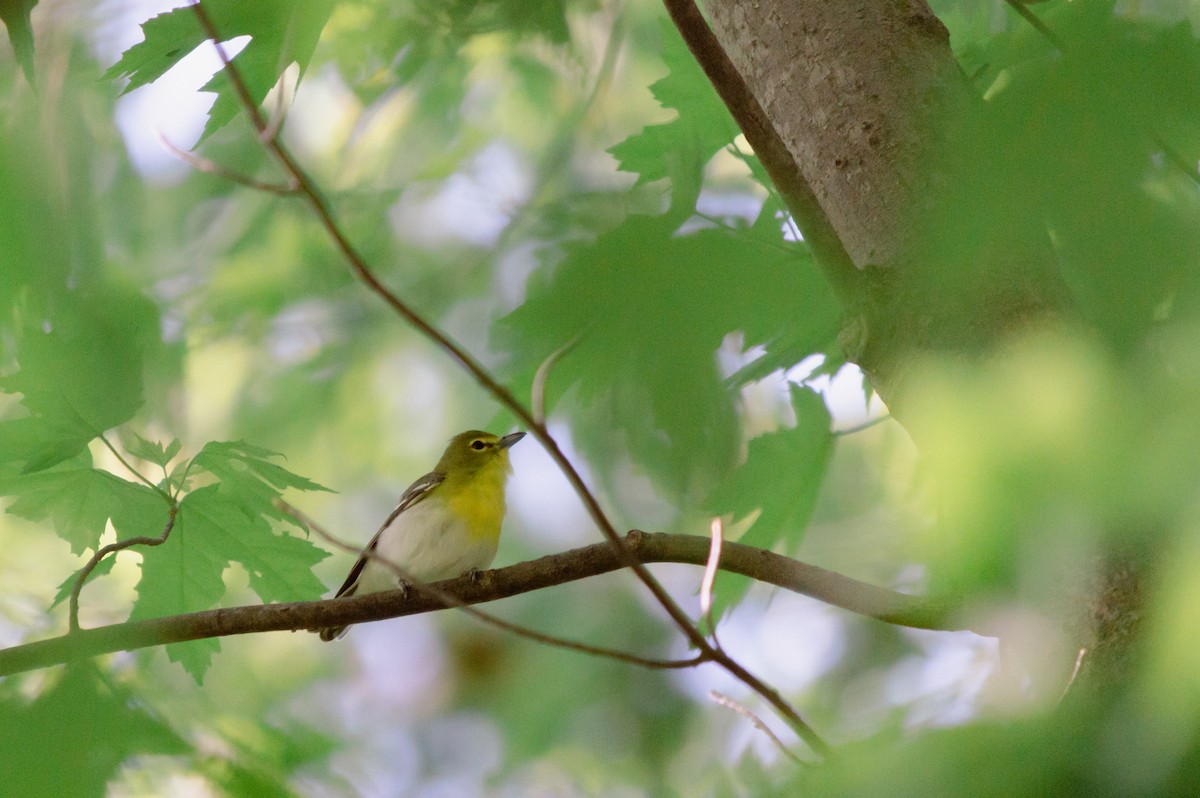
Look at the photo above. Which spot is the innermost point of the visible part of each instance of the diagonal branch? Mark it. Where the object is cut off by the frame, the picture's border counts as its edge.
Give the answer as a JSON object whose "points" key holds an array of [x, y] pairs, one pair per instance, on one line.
{"points": [[1036, 23], [208, 167], [758, 723], [357, 264], [556, 569], [316, 200]]}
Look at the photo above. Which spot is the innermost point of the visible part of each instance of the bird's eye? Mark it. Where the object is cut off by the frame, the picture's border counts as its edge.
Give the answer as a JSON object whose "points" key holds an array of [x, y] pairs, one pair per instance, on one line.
{"points": [[477, 445]]}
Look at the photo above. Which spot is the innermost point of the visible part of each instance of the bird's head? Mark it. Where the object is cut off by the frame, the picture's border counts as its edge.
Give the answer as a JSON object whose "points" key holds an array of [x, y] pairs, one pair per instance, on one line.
{"points": [[474, 450]]}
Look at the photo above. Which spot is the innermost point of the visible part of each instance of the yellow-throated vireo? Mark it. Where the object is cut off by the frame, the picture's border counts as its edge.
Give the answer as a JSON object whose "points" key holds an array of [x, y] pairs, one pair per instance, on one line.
{"points": [[446, 524]]}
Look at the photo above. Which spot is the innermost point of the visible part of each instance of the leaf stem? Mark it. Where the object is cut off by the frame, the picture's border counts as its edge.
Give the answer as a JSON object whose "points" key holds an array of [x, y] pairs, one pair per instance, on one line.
{"points": [[166, 496], [111, 548]]}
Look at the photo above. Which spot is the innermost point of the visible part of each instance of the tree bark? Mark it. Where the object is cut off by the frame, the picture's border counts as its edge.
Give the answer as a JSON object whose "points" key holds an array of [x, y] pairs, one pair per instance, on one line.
{"points": [[869, 102], [883, 128], [556, 569], [854, 90]]}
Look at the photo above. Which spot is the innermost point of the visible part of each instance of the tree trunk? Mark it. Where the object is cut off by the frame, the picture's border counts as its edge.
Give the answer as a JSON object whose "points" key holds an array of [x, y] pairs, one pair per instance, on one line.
{"points": [[881, 124], [874, 111], [855, 90]]}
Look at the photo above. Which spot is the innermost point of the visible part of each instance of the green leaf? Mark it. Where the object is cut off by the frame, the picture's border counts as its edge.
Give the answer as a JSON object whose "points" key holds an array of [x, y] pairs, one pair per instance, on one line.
{"points": [[195, 656], [152, 451], [779, 482], [248, 477], [38, 443], [81, 361], [172, 449], [177, 476], [167, 38], [186, 574], [105, 566], [649, 309], [702, 128], [80, 500], [279, 565], [265, 761], [90, 725], [15, 15], [781, 477], [74, 338], [281, 33], [1112, 97]]}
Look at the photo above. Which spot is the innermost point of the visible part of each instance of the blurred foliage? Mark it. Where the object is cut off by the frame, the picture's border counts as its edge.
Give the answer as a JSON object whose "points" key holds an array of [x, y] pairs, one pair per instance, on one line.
{"points": [[552, 176], [1087, 751], [15, 14], [776, 488], [700, 130], [643, 322], [95, 726]]}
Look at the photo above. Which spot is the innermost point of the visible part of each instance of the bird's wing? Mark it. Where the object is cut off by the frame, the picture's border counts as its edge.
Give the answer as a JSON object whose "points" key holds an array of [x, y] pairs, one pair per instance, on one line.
{"points": [[415, 493]]}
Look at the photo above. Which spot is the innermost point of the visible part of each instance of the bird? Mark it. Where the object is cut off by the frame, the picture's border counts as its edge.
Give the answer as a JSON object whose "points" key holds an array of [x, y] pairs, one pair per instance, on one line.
{"points": [[446, 524]]}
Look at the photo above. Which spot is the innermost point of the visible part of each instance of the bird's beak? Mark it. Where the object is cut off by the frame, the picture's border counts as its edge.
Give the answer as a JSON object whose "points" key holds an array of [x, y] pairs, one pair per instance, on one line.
{"points": [[509, 440]]}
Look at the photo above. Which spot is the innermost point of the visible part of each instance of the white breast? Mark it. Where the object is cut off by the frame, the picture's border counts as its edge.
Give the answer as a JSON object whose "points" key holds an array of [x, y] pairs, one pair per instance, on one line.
{"points": [[427, 551]]}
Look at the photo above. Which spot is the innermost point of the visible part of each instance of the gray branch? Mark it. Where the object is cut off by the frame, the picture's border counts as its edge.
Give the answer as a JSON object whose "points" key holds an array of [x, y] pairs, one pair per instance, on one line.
{"points": [[556, 569]]}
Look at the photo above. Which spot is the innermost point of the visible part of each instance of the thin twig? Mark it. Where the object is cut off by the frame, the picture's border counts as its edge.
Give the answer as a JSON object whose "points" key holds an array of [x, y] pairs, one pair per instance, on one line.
{"points": [[1038, 25], [275, 123], [208, 167], [537, 392], [863, 426], [86, 570], [133, 470], [358, 266], [740, 233], [1074, 674], [101, 553], [450, 600], [745, 157], [726, 701], [710, 577]]}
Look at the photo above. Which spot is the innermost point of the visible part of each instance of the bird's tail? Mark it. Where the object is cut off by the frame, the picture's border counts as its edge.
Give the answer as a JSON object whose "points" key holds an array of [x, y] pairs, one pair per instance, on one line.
{"points": [[330, 633]]}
